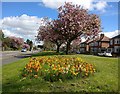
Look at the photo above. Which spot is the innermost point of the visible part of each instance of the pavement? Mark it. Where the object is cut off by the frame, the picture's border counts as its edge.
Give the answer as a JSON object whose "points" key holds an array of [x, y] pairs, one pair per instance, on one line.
{"points": [[7, 57]]}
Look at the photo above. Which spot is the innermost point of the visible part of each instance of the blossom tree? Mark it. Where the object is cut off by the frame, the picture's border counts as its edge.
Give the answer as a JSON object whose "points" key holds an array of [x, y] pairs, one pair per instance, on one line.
{"points": [[49, 32], [25, 45], [16, 43], [75, 21]]}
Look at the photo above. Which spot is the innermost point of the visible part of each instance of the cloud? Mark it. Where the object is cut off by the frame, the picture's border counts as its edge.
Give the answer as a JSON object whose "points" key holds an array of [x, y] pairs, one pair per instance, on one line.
{"points": [[112, 33], [52, 3], [21, 26], [0, 24], [40, 0], [99, 5]]}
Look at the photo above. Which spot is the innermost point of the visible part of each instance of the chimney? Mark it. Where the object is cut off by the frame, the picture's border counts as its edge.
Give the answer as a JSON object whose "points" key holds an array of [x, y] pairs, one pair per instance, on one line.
{"points": [[101, 36]]}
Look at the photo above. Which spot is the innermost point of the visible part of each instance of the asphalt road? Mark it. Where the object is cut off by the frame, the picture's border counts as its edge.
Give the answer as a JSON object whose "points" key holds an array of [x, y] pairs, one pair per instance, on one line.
{"points": [[12, 56]]}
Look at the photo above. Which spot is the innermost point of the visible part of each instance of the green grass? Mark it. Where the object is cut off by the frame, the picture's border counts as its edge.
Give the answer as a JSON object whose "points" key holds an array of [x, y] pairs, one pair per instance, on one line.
{"points": [[47, 53], [104, 80]]}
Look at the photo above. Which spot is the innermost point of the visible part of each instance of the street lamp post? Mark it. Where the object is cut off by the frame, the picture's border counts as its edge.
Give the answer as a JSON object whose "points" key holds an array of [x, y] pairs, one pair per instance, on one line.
{"points": [[33, 44]]}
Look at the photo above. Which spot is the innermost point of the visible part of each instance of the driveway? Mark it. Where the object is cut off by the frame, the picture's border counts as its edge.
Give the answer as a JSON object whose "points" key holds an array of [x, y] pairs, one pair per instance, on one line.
{"points": [[12, 56]]}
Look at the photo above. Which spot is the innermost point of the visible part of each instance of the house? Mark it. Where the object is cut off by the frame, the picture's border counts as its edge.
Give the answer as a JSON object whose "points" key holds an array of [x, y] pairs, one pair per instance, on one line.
{"points": [[99, 44], [115, 45], [93, 46], [84, 46]]}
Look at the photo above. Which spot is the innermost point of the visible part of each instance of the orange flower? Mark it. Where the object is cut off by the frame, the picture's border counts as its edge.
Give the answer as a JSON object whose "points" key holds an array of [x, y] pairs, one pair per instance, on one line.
{"points": [[30, 70], [60, 64]]}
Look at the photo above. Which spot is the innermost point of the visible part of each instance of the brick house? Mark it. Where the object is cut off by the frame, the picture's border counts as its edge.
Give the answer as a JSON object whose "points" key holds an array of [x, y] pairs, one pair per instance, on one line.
{"points": [[115, 45], [99, 44]]}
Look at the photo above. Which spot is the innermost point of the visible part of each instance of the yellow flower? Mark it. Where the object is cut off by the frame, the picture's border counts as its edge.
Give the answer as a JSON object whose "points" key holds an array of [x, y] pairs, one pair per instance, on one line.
{"points": [[93, 70], [60, 64], [35, 76], [86, 74]]}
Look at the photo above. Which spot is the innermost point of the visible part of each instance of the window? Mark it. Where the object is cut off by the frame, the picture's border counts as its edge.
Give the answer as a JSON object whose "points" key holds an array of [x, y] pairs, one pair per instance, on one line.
{"points": [[95, 49], [111, 42], [91, 49], [92, 44], [96, 44], [117, 48], [82, 45], [117, 41], [108, 50]]}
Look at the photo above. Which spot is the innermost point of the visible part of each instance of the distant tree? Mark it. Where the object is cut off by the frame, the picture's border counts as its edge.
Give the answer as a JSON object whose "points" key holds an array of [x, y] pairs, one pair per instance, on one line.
{"points": [[12, 42], [1, 35], [27, 41], [30, 43], [1, 39], [16, 43], [49, 46], [6, 43], [74, 21]]}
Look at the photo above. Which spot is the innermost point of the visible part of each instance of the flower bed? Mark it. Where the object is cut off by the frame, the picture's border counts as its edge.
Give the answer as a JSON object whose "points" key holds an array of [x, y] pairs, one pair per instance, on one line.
{"points": [[57, 68]]}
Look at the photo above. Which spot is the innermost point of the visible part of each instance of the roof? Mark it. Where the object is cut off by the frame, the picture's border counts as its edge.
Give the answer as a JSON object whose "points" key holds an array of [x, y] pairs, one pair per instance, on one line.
{"points": [[118, 36], [105, 39], [87, 41], [90, 40], [102, 37]]}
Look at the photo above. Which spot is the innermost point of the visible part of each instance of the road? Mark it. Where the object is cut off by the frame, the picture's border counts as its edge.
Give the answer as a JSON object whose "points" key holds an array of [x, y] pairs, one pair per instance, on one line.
{"points": [[12, 56]]}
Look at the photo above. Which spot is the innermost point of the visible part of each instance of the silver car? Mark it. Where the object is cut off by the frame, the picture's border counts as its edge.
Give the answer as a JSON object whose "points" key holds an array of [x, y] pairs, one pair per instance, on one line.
{"points": [[24, 50], [105, 54]]}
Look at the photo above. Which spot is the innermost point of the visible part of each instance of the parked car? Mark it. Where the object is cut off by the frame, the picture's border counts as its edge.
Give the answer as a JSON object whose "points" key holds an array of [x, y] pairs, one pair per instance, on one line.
{"points": [[108, 54], [105, 54], [24, 50]]}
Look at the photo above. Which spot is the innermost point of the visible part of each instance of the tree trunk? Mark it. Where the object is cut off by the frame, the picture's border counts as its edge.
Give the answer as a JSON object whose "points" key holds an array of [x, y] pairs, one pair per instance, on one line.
{"points": [[58, 48], [67, 47]]}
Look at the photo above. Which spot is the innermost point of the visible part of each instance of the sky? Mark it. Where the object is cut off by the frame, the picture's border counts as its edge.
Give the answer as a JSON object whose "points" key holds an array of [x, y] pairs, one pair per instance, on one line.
{"points": [[22, 19]]}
